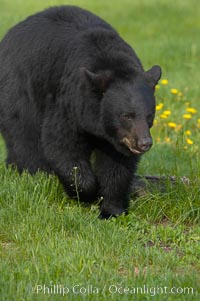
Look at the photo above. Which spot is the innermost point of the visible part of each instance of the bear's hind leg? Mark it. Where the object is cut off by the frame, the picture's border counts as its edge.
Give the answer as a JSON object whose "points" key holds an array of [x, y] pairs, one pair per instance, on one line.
{"points": [[21, 129], [26, 157], [24, 150]]}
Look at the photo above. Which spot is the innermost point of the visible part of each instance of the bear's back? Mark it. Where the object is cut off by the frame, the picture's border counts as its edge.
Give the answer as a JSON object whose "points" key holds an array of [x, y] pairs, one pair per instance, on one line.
{"points": [[58, 21], [74, 17], [48, 31]]}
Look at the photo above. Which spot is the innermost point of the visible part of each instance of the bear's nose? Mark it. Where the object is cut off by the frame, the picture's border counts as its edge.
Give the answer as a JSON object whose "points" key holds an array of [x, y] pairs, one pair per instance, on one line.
{"points": [[145, 144]]}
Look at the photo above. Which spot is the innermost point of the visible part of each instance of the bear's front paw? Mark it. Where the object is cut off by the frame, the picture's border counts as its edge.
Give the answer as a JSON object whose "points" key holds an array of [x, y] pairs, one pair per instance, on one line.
{"points": [[107, 213]]}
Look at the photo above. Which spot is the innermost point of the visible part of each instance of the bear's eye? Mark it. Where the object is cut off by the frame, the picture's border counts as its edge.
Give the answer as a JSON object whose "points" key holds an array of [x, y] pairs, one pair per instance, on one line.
{"points": [[128, 116], [150, 120]]}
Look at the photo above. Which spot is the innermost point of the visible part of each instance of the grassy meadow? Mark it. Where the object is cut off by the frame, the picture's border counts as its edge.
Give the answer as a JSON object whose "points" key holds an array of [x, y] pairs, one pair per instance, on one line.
{"points": [[51, 247]]}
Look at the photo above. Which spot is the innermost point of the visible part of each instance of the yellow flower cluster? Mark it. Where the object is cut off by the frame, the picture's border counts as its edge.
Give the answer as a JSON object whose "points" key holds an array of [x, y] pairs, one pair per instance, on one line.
{"points": [[172, 125], [191, 110], [174, 91], [159, 106], [178, 118]]}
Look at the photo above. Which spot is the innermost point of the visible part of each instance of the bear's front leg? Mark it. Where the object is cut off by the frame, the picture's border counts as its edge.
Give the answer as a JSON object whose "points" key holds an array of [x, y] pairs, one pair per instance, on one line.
{"points": [[75, 174], [115, 174], [69, 158]]}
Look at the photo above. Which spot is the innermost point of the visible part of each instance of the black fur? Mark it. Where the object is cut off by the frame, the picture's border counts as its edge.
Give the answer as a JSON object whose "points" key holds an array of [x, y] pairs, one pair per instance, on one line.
{"points": [[69, 85]]}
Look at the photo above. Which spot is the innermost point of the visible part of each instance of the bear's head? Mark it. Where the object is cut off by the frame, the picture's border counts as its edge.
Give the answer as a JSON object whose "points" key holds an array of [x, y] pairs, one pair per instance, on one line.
{"points": [[125, 108]]}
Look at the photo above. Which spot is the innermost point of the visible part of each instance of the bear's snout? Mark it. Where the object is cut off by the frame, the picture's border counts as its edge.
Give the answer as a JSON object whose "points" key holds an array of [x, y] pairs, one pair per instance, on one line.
{"points": [[138, 147], [145, 144]]}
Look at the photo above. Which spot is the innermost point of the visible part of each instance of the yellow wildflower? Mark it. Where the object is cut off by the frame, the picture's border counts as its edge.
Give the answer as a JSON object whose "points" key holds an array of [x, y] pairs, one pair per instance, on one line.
{"points": [[188, 133], [167, 139], [174, 91], [189, 141], [157, 87], [167, 112], [172, 124], [163, 116], [164, 82], [159, 106], [191, 110], [187, 116], [155, 122]]}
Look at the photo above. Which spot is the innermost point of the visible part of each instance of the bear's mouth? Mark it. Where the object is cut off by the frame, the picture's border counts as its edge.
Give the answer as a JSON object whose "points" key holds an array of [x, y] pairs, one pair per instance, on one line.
{"points": [[127, 142]]}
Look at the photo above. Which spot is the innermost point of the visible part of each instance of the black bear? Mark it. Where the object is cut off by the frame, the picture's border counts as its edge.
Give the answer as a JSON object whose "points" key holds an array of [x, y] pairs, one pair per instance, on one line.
{"points": [[70, 86]]}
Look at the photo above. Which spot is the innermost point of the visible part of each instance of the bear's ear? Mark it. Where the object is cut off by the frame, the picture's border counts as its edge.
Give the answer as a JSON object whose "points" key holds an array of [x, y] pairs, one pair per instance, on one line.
{"points": [[99, 81], [153, 75]]}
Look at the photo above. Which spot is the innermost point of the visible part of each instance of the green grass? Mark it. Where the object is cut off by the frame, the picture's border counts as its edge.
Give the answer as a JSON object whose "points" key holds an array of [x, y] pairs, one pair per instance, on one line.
{"points": [[47, 239]]}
